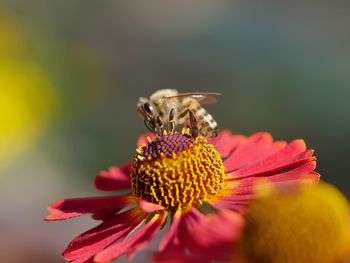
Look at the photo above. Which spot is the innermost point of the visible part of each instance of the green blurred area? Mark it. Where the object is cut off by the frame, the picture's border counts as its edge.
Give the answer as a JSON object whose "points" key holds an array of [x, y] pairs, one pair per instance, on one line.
{"points": [[75, 69]]}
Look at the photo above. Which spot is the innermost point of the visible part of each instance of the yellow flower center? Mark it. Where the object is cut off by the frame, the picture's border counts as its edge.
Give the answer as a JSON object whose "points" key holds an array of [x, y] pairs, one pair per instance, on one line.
{"points": [[310, 225], [177, 171]]}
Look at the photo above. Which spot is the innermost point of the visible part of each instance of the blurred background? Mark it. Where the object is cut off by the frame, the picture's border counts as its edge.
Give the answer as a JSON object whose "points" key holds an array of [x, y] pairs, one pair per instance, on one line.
{"points": [[72, 71]]}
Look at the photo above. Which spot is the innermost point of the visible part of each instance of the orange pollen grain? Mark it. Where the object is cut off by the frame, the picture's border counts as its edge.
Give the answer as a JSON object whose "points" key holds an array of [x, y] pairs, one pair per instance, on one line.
{"points": [[177, 171]]}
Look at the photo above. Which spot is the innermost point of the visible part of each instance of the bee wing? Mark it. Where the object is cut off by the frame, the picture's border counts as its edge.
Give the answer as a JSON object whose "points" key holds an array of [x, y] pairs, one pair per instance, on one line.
{"points": [[202, 97]]}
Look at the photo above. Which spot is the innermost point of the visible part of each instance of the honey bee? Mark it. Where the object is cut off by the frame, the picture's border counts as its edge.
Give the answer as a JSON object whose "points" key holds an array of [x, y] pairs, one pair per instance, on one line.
{"points": [[167, 108]]}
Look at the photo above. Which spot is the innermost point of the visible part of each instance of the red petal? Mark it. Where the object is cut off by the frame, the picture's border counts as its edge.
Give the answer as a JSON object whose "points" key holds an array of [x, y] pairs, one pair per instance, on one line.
{"points": [[206, 237], [68, 208], [211, 236], [170, 240], [126, 168], [133, 243], [93, 241], [171, 250], [104, 214], [114, 179], [255, 148], [303, 173], [171, 257], [291, 156], [148, 207], [243, 192], [226, 143], [142, 140]]}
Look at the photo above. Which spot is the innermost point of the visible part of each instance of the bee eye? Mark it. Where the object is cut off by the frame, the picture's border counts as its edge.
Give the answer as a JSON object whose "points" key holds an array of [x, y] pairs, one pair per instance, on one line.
{"points": [[148, 108]]}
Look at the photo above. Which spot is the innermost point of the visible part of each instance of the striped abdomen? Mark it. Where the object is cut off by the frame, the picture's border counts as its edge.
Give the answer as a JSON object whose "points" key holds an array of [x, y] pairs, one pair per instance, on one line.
{"points": [[207, 126]]}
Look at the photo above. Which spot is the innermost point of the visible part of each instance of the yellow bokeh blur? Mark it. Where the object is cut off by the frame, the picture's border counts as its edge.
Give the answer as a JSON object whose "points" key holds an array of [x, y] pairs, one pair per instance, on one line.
{"points": [[27, 99], [309, 224]]}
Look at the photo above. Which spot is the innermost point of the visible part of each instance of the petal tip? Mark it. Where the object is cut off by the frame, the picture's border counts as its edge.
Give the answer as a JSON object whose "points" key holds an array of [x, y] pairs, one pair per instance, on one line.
{"points": [[148, 207], [301, 143], [114, 179], [55, 205], [262, 136]]}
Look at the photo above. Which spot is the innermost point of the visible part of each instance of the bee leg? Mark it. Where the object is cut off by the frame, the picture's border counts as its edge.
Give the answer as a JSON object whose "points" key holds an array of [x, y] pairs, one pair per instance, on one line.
{"points": [[171, 121], [215, 132], [160, 126], [150, 126], [193, 124], [182, 115]]}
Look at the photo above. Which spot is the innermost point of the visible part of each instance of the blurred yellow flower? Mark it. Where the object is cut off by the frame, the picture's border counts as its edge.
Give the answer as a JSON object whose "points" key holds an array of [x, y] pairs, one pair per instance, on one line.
{"points": [[26, 97], [305, 225], [26, 103]]}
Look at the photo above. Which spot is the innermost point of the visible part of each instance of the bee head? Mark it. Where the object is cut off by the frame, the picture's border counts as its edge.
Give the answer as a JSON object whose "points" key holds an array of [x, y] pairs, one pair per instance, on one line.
{"points": [[145, 108]]}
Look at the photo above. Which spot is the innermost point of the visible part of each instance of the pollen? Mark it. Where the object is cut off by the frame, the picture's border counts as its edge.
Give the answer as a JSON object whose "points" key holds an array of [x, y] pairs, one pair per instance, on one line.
{"points": [[177, 171]]}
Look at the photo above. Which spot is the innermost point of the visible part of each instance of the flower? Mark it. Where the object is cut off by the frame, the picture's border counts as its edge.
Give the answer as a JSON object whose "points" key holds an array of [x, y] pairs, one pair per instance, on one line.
{"points": [[308, 225], [190, 184]]}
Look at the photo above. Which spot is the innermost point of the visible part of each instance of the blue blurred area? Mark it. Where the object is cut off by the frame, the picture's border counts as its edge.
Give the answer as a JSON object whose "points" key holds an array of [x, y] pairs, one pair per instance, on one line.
{"points": [[283, 68]]}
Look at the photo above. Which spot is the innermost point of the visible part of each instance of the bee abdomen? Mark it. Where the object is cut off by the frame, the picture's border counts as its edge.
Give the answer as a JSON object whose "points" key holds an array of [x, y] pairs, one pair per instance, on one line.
{"points": [[208, 126]]}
